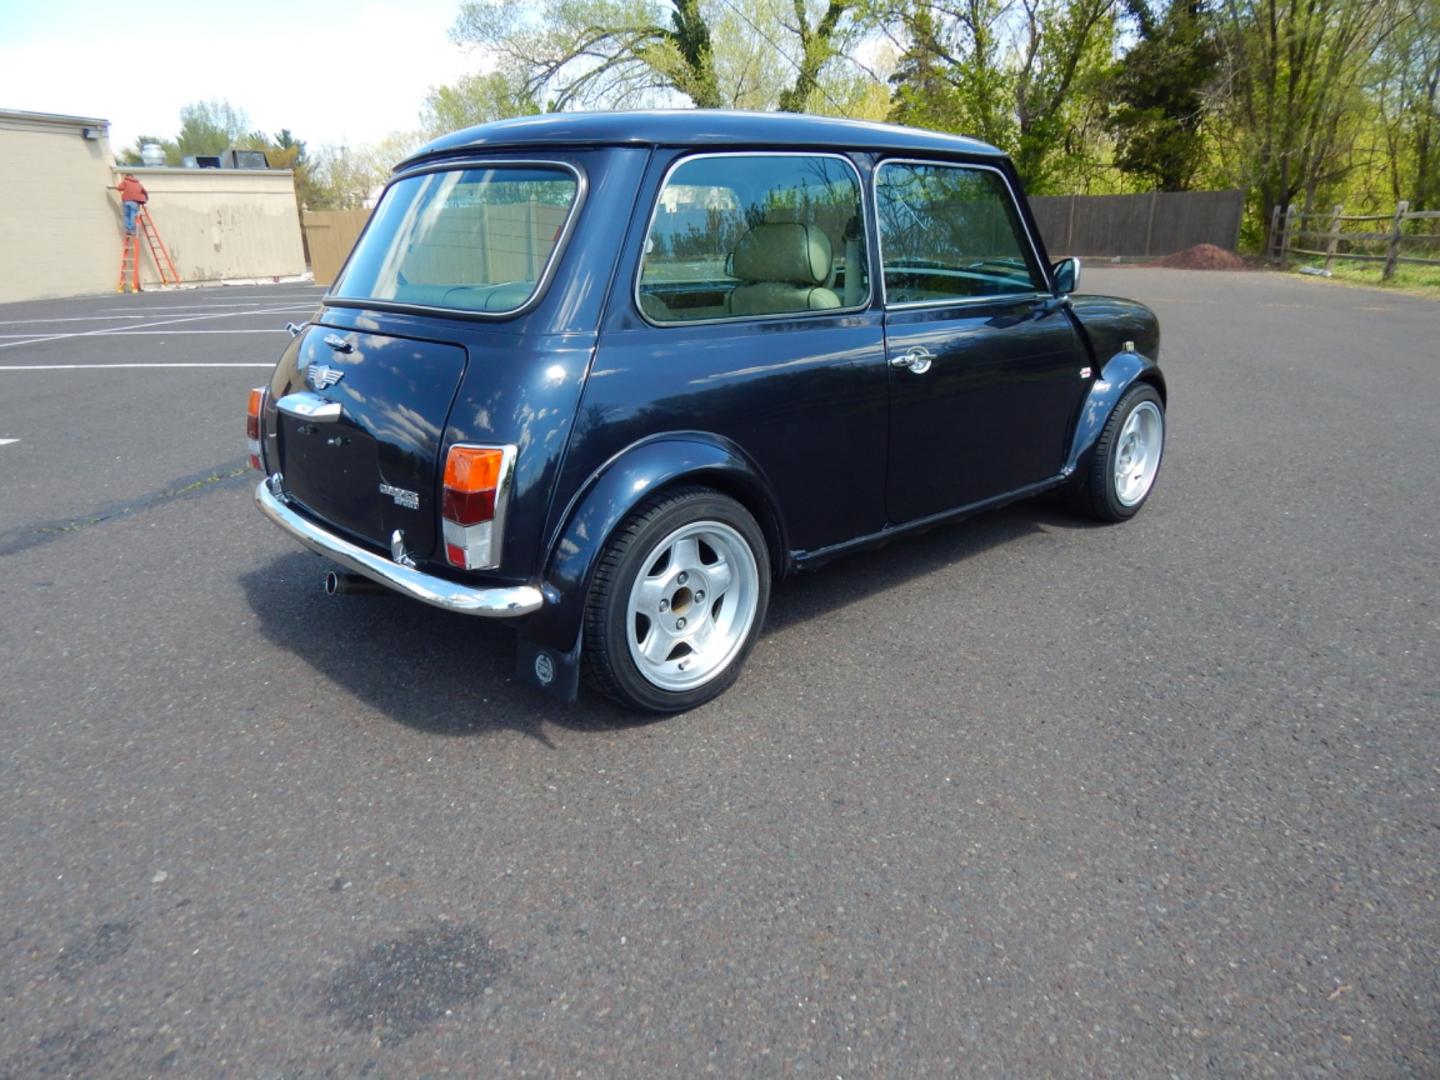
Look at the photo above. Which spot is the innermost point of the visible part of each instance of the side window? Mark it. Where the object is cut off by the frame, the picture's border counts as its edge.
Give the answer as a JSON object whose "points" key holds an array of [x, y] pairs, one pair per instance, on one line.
{"points": [[950, 233], [739, 236]]}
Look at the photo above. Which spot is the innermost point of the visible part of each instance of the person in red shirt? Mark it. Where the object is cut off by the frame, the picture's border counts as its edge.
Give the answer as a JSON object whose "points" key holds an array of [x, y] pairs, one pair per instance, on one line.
{"points": [[132, 196]]}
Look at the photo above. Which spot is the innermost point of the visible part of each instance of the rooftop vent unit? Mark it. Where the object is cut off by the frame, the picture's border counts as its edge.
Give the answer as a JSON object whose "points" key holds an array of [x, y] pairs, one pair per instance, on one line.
{"points": [[244, 159]]}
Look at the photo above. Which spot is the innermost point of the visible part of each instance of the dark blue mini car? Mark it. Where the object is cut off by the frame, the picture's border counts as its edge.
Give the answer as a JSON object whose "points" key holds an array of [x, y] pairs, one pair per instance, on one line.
{"points": [[608, 376]]}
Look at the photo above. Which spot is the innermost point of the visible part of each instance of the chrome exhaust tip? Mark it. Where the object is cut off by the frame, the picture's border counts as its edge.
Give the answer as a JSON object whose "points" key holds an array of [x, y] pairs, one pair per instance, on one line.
{"points": [[337, 583]]}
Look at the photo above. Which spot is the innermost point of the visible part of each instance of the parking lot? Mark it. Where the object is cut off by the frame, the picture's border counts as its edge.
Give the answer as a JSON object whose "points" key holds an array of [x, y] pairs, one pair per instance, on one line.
{"points": [[1018, 797]]}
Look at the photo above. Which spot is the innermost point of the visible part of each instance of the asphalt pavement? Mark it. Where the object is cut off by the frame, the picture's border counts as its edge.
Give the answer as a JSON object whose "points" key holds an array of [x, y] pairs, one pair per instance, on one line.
{"points": [[1019, 797]]}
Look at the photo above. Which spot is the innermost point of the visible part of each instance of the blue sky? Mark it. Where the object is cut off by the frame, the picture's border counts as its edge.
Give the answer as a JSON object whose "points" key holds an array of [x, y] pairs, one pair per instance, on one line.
{"points": [[333, 72]]}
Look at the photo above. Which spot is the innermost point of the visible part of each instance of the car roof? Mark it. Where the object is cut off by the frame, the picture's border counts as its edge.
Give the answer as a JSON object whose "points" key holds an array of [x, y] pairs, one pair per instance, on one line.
{"points": [[700, 128]]}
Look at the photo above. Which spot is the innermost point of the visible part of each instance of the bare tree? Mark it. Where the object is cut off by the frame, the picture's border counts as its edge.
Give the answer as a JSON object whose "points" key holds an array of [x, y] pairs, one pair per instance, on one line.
{"points": [[612, 53]]}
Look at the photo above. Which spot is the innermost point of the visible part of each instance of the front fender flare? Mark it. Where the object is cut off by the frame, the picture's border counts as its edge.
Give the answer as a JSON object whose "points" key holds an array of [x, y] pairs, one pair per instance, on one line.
{"points": [[609, 496], [1120, 373]]}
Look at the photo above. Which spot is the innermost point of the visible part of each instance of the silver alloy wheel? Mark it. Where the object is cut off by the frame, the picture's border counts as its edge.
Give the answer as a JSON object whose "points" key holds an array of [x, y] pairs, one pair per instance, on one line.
{"points": [[692, 605], [1137, 455]]}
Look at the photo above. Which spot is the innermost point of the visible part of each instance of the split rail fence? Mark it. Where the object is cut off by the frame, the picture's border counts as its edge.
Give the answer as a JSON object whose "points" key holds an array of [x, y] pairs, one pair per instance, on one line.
{"points": [[1339, 240]]}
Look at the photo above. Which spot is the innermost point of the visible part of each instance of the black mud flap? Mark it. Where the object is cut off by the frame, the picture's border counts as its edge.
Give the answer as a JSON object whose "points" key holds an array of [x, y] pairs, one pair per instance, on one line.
{"points": [[549, 669]]}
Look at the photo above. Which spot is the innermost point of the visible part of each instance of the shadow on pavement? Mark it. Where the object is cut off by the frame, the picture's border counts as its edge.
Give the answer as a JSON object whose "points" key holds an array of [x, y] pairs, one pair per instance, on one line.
{"points": [[451, 675]]}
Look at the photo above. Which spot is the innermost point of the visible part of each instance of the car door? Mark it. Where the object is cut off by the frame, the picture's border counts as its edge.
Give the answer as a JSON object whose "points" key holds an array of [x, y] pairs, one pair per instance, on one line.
{"points": [[986, 370]]}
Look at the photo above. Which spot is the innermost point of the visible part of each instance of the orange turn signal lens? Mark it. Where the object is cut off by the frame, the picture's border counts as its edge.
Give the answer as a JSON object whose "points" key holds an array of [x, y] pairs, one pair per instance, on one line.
{"points": [[473, 468], [252, 427], [252, 417]]}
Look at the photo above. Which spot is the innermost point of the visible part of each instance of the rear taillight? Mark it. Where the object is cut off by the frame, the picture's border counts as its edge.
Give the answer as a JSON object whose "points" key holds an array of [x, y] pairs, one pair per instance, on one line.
{"points": [[472, 504], [252, 426]]}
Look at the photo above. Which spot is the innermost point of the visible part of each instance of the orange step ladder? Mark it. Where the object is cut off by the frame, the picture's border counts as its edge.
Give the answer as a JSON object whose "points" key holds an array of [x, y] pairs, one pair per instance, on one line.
{"points": [[129, 263], [130, 254]]}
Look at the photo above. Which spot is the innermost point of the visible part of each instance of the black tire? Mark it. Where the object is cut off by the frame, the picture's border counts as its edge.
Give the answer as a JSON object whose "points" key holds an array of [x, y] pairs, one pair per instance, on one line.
{"points": [[608, 665], [1092, 491]]}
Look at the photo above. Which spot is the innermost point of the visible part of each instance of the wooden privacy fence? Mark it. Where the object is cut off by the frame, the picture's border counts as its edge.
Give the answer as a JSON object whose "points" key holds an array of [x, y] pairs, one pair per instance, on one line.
{"points": [[1157, 223], [1288, 231], [329, 235]]}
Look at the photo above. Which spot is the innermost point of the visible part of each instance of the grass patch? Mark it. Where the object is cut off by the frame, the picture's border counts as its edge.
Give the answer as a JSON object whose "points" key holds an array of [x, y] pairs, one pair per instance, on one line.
{"points": [[1415, 280]]}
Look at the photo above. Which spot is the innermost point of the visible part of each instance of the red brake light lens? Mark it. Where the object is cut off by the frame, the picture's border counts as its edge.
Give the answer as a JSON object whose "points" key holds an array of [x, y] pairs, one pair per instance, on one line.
{"points": [[468, 507]]}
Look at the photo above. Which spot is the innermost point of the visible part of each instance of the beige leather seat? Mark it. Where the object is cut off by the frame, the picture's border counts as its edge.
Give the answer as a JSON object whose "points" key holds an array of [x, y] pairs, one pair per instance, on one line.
{"points": [[784, 267]]}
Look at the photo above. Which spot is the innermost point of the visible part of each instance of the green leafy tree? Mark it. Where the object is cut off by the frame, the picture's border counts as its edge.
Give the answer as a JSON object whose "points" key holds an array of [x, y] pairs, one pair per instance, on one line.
{"points": [[1159, 88], [1021, 75], [349, 178], [816, 43], [477, 99], [211, 127], [131, 155], [1406, 90], [344, 179], [1289, 99]]}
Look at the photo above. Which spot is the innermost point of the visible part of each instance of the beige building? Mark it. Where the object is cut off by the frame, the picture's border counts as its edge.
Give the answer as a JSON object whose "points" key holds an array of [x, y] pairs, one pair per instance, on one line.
{"points": [[221, 224], [60, 226]]}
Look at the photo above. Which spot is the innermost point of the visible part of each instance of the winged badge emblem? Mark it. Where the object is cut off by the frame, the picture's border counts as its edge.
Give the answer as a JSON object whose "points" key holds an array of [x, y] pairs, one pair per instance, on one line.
{"points": [[322, 376]]}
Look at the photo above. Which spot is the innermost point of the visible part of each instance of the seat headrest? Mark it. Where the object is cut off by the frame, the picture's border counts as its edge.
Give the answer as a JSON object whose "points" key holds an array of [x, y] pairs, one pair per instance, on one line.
{"points": [[783, 251]]}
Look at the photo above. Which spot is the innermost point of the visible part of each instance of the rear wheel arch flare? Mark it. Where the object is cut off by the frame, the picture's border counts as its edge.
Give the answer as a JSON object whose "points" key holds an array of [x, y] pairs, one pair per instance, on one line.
{"points": [[658, 464], [749, 495]]}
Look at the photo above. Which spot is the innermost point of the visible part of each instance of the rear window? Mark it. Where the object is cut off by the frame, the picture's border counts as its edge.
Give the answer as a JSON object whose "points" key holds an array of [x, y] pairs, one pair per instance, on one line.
{"points": [[478, 240]]}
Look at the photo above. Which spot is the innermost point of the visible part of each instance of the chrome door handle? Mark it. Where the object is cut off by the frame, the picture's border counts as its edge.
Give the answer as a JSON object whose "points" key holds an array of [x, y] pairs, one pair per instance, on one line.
{"points": [[918, 360], [307, 406], [338, 343]]}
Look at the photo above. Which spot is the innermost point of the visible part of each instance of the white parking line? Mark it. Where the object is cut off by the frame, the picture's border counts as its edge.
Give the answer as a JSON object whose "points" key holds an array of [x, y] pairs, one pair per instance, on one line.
{"points": [[143, 326], [107, 367], [127, 332], [278, 302], [117, 318], [72, 318], [7, 442], [293, 300]]}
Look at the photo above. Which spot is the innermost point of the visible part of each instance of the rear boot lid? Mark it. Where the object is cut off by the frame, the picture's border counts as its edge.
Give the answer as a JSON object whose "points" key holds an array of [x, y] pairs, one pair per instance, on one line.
{"points": [[355, 423]]}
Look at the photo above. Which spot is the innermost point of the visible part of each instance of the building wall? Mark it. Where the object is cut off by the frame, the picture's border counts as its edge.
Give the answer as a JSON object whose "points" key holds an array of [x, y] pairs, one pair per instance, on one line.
{"points": [[222, 223], [59, 227]]}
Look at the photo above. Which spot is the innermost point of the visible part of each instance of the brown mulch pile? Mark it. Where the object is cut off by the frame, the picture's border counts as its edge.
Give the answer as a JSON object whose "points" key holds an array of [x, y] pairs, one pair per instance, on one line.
{"points": [[1204, 257]]}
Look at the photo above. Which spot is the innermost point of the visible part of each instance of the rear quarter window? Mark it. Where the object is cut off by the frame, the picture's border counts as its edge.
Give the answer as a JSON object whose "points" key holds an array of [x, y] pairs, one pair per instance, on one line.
{"points": [[477, 239]]}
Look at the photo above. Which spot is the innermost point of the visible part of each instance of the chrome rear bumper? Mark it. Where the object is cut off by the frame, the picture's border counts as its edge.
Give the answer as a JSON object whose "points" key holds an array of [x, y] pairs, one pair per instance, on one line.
{"points": [[501, 602]]}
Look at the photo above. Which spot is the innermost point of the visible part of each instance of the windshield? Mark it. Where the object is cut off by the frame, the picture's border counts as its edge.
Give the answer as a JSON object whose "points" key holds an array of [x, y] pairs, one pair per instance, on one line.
{"points": [[477, 240]]}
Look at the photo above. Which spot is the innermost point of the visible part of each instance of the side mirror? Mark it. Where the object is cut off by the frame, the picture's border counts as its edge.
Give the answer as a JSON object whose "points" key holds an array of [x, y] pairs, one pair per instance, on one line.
{"points": [[1066, 274]]}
